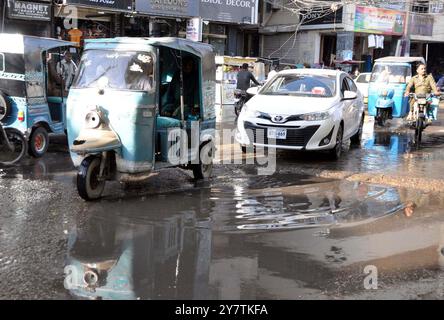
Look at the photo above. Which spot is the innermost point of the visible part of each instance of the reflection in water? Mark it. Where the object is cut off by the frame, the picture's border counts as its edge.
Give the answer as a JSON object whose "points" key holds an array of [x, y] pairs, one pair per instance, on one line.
{"points": [[182, 246], [143, 252]]}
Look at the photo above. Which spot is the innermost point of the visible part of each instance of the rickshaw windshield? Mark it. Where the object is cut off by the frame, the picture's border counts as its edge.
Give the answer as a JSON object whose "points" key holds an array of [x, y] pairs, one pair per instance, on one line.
{"points": [[116, 70], [384, 73]]}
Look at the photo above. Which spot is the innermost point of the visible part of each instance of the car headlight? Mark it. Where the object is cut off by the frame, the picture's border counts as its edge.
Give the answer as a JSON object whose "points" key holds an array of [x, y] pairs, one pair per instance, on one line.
{"points": [[251, 113], [316, 116]]}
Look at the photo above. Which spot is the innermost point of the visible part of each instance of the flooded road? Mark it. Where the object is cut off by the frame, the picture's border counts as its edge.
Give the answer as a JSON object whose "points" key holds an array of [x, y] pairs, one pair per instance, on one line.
{"points": [[311, 230]]}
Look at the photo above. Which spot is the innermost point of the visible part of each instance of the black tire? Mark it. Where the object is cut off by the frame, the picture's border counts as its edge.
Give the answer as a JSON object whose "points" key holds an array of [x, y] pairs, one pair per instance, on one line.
{"points": [[357, 137], [88, 184], [381, 117], [418, 131], [38, 142], [336, 152], [8, 157], [203, 170], [5, 106], [237, 108]]}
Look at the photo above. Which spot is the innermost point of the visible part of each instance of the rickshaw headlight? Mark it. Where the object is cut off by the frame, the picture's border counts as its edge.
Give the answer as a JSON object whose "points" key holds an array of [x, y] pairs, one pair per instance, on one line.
{"points": [[92, 120]]}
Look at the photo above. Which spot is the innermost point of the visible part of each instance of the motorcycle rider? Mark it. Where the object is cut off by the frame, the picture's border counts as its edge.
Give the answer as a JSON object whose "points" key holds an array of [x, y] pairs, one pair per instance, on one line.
{"points": [[244, 77], [423, 83]]}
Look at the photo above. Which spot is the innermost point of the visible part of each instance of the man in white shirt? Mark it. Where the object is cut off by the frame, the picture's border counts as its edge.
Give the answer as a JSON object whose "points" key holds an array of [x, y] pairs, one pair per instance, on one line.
{"points": [[67, 70]]}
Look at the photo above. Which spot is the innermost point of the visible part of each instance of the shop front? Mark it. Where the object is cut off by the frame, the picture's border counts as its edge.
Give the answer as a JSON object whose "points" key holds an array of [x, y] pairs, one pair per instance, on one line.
{"points": [[89, 19], [166, 18], [27, 17], [377, 32]]}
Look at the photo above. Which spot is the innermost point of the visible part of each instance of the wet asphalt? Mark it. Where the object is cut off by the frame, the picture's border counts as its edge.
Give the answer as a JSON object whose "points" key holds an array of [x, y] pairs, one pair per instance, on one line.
{"points": [[369, 226]]}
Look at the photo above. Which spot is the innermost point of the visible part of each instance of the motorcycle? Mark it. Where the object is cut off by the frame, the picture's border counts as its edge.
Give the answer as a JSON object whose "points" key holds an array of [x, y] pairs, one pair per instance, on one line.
{"points": [[424, 109], [13, 146], [240, 98]]}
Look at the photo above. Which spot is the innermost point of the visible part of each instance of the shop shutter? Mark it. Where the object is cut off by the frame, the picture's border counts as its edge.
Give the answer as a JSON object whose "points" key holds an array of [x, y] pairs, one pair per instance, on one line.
{"points": [[277, 42]]}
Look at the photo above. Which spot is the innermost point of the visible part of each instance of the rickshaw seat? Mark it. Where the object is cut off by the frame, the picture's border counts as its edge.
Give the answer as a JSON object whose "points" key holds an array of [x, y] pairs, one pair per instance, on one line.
{"points": [[55, 99], [167, 122]]}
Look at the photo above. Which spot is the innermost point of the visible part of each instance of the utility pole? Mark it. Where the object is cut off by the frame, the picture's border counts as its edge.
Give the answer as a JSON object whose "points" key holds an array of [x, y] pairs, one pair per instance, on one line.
{"points": [[406, 35]]}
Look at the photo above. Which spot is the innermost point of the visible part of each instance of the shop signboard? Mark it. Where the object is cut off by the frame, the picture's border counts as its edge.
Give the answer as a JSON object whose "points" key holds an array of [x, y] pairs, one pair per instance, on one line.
{"points": [[115, 5], [232, 11], [194, 29], [29, 10], [173, 8], [421, 24], [379, 21], [322, 17]]}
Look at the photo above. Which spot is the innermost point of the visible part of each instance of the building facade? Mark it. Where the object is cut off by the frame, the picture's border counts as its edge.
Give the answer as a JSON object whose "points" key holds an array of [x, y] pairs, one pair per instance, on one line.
{"points": [[231, 26], [352, 33]]}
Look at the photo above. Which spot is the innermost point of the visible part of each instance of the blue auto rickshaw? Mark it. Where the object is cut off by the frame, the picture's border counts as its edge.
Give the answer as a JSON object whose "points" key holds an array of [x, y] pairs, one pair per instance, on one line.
{"points": [[141, 104], [387, 85], [32, 97]]}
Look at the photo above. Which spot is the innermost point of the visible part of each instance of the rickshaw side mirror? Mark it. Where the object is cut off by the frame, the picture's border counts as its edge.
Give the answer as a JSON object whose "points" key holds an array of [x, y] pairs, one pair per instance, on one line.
{"points": [[253, 91], [349, 95]]}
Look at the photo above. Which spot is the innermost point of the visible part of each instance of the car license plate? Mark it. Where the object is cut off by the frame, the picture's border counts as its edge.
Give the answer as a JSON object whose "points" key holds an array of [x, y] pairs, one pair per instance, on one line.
{"points": [[273, 133]]}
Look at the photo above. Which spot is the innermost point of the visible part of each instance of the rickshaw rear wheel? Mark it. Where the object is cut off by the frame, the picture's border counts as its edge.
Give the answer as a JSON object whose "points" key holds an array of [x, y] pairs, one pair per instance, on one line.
{"points": [[203, 170], [89, 184], [38, 142]]}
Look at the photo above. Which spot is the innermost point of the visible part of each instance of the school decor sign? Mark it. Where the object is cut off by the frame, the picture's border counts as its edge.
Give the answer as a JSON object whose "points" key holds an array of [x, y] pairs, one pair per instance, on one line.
{"points": [[29, 10], [231, 11]]}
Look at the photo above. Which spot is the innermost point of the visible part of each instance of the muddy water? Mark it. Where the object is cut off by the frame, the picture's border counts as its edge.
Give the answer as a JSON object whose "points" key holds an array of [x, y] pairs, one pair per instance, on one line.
{"points": [[382, 151], [244, 238], [240, 236]]}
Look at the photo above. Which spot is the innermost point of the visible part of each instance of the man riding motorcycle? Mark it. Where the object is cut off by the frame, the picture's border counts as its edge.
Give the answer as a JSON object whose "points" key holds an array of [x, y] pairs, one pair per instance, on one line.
{"points": [[423, 84]]}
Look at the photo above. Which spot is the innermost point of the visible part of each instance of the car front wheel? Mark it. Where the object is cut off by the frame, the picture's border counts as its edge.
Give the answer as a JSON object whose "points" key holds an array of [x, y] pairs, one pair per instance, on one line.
{"points": [[336, 152]]}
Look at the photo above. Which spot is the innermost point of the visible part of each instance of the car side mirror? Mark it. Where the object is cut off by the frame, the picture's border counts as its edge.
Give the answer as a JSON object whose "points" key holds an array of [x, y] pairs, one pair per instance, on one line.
{"points": [[349, 95], [253, 91]]}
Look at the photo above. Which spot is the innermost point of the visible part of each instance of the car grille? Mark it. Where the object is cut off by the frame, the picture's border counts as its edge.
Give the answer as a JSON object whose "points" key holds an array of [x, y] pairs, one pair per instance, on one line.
{"points": [[296, 137]]}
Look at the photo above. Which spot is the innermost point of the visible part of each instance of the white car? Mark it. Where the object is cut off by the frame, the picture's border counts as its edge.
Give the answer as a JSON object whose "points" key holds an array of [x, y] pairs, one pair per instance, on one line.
{"points": [[362, 82], [303, 109]]}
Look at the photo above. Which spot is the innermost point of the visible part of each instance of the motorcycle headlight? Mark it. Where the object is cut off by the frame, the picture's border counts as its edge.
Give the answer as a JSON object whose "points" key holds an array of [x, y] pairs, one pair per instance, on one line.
{"points": [[316, 116]]}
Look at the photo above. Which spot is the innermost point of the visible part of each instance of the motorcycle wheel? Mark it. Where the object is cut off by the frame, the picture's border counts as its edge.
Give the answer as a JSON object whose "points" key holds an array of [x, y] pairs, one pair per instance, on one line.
{"points": [[237, 108], [16, 138], [418, 131], [89, 186]]}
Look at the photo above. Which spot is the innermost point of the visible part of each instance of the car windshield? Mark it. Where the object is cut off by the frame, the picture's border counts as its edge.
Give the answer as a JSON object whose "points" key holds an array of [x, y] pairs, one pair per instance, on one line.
{"points": [[301, 85], [383, 73], [363, 78], [116, 70]]}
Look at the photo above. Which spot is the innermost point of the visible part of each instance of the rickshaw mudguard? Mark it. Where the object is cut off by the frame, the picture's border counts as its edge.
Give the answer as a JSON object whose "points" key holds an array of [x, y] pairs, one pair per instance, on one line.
{"points": [[91, 141]]}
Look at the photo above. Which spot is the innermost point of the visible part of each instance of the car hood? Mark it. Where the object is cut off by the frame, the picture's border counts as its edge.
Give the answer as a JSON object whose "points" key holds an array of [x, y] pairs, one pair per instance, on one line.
{"points": [[290, 105]]}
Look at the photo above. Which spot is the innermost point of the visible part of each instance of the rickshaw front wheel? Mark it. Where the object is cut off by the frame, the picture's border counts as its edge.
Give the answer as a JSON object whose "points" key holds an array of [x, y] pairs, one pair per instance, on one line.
{"points": [[38, 142], [89, 183], [204, 169]]}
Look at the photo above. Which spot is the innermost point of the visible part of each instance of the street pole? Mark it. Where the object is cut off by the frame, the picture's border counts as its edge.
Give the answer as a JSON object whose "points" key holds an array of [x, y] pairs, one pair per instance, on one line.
{"points": [[406, 35]]}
